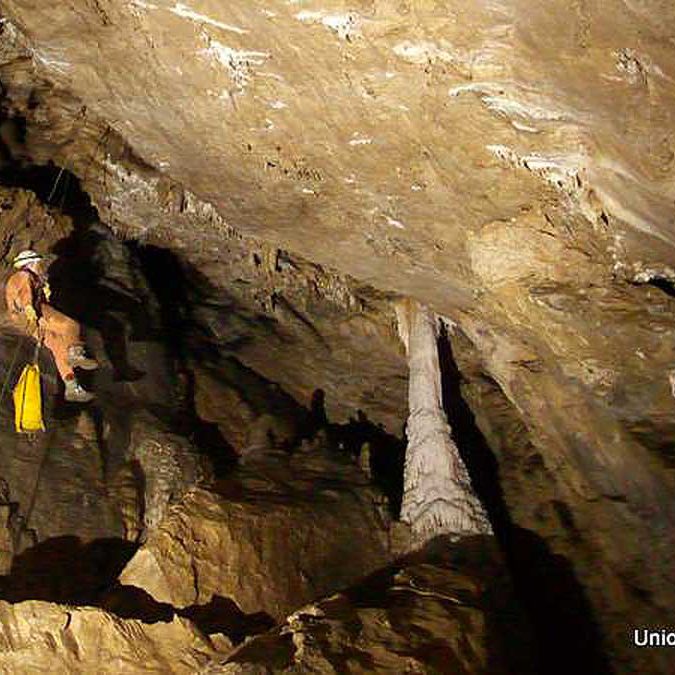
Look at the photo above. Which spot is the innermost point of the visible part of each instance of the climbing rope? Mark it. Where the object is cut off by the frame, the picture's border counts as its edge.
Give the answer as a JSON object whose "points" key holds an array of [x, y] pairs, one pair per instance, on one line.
{"points": [[83, 115], [58, 179], [8, 376]]}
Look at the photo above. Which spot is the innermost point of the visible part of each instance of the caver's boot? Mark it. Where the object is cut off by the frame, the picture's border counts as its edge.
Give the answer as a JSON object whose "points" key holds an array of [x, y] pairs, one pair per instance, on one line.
{"points": [[75, 393], [78, 359]]}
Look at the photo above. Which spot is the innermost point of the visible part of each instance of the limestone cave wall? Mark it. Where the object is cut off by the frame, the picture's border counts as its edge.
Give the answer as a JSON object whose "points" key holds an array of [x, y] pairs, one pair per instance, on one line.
{"points": [[237, 195]]}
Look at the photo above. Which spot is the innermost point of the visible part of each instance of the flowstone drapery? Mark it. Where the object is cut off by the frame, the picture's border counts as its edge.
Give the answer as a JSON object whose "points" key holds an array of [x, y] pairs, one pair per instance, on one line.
{"points": [[438, 497]]}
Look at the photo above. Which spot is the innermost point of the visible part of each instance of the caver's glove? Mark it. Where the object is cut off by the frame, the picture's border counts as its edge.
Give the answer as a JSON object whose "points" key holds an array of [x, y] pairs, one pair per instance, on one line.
{"points": [[31, 315], [47, 292]]}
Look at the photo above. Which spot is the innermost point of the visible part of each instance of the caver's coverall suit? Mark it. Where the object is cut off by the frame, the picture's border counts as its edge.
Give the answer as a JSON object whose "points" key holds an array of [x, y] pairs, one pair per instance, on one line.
{"points": [[25, 288]]}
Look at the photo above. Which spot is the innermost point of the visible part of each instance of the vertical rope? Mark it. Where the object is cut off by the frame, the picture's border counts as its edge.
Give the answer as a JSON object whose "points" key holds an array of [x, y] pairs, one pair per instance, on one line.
{"points": [[58, 178], [10, 371]]}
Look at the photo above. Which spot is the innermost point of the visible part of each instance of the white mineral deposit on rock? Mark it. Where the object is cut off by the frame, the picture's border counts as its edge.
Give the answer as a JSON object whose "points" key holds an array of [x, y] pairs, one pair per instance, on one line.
{"points": [[182, 10], [437, 493]]}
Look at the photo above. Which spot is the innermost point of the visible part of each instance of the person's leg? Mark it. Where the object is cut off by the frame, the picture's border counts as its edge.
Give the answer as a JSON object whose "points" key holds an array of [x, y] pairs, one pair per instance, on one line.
{"points": [[59, 349], [60, 344], [70, 336], [61, 325]]}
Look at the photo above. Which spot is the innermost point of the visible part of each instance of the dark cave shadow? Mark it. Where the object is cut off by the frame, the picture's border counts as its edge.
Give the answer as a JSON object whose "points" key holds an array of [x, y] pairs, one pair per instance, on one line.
{"points": [[109, 459], [262, 394], [68, 194], [82, 291], [114, 444], [219, 615], [184, 293], [223, 615], [387, 452], [206, 436], [318, 416], [567, 634], [66, 570]]}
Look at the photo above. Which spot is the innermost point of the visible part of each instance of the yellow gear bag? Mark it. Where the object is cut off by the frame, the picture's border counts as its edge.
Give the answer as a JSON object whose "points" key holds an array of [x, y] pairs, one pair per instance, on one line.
{"points": [[28, 401]]}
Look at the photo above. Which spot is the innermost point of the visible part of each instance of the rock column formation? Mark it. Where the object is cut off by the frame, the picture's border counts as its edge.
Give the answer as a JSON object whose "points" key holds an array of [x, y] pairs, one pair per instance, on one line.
{"points": [[438, 497]]}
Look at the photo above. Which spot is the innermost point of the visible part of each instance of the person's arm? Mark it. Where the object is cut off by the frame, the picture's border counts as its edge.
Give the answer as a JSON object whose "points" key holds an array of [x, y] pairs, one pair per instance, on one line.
{"points": [[19, 296]]}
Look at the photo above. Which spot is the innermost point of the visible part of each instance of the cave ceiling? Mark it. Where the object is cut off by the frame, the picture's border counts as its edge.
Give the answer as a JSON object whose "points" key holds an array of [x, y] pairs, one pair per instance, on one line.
{"points": [[394, 141]]}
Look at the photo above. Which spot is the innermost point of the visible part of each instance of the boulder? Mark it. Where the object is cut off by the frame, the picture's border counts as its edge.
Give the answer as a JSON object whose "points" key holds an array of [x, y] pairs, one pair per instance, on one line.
{"points": [[43, 637], [446, 612], [280, 532]]}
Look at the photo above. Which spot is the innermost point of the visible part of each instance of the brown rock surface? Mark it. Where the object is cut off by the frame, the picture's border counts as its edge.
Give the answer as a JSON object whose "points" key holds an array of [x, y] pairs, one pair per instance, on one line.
{"points": [[41, 637], [447, 613], [278, 532], [507, 163]]}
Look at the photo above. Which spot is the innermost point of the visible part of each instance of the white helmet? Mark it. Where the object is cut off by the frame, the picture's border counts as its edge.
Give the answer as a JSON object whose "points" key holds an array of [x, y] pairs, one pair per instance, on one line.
{"points": [[26, 258]]}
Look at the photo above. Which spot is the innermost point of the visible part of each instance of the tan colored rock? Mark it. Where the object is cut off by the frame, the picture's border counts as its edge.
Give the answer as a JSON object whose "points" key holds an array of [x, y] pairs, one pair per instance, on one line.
{"points": [[310, 119], [509, 164], [447, 613], [279, 532], [41, 637]]}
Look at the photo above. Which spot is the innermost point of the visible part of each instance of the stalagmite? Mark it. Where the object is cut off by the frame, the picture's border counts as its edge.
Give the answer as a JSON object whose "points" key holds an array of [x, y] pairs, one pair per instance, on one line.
{"points": [[438, 497]]}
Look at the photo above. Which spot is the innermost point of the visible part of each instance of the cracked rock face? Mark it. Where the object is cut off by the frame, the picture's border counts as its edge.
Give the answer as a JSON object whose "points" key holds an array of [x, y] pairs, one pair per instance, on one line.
{"points": [[265, 537], [407, 618]]}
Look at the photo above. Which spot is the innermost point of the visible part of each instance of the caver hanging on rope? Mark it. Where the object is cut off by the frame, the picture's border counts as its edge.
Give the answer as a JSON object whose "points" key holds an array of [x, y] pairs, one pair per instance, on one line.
{"points": [[27, 293]]}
